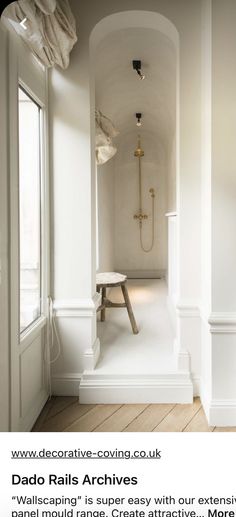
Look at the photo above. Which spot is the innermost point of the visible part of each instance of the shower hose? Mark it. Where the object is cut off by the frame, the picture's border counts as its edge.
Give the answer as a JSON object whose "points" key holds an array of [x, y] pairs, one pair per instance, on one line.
{"points": [[147, 250]]}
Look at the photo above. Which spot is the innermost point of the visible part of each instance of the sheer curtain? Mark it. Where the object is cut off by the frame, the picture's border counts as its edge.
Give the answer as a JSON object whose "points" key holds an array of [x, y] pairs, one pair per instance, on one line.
{"points": [[49, 28]]}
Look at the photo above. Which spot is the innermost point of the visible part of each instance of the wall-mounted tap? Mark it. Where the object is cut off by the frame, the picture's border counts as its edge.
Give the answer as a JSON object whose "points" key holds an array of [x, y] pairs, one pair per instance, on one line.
{"points": [[140, 216]]}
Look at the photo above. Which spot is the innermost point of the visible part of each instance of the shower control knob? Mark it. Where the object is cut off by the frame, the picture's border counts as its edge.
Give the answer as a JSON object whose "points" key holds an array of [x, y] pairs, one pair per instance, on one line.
{"points": [[140, 216]]}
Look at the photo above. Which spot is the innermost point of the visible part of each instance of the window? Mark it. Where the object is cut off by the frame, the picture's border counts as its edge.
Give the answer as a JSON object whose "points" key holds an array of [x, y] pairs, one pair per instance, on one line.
{"points": [[29, 209]]}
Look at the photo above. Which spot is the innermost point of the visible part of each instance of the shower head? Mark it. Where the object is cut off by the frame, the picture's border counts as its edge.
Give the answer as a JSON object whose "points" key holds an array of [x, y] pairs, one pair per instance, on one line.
{"points": [[139, 152]]}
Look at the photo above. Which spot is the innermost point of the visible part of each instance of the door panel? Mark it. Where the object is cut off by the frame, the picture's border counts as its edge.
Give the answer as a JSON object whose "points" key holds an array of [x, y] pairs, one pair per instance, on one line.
{"points": [[33, 372]]}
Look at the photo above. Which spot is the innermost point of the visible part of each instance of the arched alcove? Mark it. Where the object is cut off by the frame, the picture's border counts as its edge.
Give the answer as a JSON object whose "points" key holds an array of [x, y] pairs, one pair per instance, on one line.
{"points": [[115, 89]]}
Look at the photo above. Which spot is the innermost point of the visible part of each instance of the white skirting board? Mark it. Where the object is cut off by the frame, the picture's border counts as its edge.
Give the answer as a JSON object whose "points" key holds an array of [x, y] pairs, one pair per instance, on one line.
{"points": [[196, 385], [143, 273], [220, 413], [135, 389]]}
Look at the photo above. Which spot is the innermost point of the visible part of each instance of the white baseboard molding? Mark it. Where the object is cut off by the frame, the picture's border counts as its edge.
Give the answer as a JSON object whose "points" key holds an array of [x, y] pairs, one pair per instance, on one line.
{"points": [[196, 385], [143, 273], [66, 384], [135, 389], [220, 413]]}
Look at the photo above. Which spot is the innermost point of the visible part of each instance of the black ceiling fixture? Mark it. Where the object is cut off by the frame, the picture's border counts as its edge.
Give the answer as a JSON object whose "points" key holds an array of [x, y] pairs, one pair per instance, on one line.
{"points": [[138, 117], [137, 66]]}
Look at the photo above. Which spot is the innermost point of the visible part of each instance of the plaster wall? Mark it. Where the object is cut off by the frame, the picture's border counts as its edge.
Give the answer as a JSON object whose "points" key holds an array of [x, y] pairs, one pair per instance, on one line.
{"points": [[223, 156], [206, 360], [223, 314], [171, 175], [218, 387], [74, 208]]}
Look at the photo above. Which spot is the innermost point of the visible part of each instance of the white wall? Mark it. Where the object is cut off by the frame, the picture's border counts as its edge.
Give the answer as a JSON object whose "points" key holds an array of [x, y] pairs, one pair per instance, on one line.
{"points": [[220, 393], [72, 114], [218, 386], [171, 175], [128, 253], [206, 366], [106, 215]]}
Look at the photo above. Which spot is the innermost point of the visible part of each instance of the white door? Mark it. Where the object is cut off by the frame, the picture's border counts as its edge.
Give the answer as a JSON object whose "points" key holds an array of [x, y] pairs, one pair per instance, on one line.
{"points": [[28, 243]]}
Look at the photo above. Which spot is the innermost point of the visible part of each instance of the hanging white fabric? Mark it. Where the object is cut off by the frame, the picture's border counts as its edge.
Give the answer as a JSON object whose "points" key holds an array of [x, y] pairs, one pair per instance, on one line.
{"points": [[49, 28], [105, 131]]}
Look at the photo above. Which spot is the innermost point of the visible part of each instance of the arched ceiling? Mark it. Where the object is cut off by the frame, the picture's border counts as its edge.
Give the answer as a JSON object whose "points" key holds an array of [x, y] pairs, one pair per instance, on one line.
{"points": [[119, 91]]}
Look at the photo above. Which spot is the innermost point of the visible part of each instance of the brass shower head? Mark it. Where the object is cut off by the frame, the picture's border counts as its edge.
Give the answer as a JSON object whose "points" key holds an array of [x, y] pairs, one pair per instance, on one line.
{"points": [[139, 152]]}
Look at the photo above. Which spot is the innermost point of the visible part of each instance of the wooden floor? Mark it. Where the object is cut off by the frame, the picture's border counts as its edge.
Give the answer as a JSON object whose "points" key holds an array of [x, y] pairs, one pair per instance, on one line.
{"points": [[66, 414]]}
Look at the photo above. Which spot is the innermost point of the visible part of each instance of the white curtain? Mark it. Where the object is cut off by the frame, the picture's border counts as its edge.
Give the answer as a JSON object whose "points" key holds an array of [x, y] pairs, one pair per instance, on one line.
{"points": [[50, 29], [105, 132]]}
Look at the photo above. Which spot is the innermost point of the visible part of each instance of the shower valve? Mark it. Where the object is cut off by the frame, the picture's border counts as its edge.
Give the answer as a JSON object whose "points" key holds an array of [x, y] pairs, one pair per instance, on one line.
{"points": [[140, 216]]}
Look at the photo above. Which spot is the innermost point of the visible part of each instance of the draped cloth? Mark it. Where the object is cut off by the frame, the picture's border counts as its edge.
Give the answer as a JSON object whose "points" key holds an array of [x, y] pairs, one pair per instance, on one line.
{"points": [[105, 132], [50, 28]]}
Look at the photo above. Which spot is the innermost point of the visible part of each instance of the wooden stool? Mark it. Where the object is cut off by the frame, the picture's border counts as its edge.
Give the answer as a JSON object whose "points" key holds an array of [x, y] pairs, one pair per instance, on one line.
{"points": [[104, 280]]}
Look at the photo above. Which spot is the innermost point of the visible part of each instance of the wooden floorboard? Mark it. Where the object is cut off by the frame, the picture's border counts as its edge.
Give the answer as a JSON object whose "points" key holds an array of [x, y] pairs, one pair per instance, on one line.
{"points": [[198, 424], [43, 415], [65, 418], [61, 403], [93, 418], [149, 418], [179, 417], [119, 420], [66, 414]]}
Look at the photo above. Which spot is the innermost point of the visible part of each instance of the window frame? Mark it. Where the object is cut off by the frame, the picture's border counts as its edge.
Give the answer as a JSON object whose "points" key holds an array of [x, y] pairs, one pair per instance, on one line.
{"points": [[27, 334], [40, 166]]}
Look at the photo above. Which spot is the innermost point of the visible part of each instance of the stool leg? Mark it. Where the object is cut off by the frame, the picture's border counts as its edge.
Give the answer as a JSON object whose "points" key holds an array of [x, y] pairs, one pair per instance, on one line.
{"points": [[129, 309], [103, 311]]}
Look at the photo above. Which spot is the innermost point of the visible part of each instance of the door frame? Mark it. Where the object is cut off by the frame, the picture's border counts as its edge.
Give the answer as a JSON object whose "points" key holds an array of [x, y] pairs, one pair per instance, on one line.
{"points": [[25, 71]]}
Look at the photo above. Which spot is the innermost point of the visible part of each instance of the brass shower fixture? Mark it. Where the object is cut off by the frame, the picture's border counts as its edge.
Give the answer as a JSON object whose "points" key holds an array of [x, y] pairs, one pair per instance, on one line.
{"points": [[139, 152], [152, 192], [140, 216]]}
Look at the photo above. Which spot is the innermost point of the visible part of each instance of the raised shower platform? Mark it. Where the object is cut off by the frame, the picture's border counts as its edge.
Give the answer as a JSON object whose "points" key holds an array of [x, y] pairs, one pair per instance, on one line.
{"points": [[143, 273], [137, 368], [130, 389]]}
